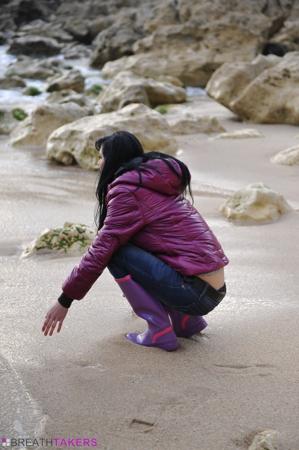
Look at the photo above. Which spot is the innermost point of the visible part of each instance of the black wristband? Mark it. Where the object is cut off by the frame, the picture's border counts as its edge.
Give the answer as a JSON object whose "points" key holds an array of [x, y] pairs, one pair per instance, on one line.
{"points": [[65, 301]]}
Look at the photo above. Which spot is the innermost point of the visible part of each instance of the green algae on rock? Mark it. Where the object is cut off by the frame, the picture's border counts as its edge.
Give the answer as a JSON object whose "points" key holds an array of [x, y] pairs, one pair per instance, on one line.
{"points": [[71, 239]]}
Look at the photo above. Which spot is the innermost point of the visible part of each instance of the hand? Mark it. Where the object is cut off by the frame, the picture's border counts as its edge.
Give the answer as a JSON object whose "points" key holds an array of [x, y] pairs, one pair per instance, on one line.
{"points": [[55, 315]]}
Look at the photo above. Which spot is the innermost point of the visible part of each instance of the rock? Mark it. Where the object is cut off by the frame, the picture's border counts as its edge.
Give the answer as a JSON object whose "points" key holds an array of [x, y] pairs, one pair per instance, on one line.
{"points": [[271, 97], [69, 96], [70, 80], [75, 142], [256, 203], [79, 30], [288, 35], [71, 239], [34, 46], [36, 69], [170, 79], [76, 51], [99, 24], [190, 124], [240, 134], [229, 81], [193, 69], [7, 120], [51, 30], [11, 82], [43, 120], [115, 41], [266, 440], [128, 88], [2, 38], [287, 157]]}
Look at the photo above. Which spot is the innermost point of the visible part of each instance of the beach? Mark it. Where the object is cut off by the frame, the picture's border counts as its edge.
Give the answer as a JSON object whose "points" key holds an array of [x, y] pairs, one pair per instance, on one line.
{"points": [[239, 377]]}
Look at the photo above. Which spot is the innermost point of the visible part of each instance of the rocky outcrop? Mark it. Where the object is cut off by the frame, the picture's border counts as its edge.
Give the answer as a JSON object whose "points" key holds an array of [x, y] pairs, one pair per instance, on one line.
{"points": [[128, 88], [74, 143], [70, 239], [271, 97], [34, 46], [256, 203], [69, 80], [287, 157], [43, 120], [192, 39], [240, 134]]}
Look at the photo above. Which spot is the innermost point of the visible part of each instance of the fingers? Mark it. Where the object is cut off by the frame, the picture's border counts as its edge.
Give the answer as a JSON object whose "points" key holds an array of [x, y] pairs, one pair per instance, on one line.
{"points": [[50, 324]]}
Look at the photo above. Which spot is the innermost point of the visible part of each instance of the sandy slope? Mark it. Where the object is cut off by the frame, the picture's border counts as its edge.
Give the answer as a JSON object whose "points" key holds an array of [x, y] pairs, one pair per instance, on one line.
{"points": [[241, 376]]}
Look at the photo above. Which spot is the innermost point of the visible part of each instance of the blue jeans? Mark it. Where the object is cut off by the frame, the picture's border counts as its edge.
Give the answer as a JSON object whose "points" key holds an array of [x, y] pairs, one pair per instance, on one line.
{"points": [[187, 294]]}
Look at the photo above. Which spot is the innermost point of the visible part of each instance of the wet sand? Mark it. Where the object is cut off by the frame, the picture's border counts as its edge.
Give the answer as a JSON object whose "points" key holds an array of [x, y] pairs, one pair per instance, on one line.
{"points": [[241, 376]]}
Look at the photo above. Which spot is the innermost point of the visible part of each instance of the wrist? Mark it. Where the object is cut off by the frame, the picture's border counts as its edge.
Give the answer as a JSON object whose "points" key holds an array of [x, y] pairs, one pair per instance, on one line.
{"points": [[64, 300]]}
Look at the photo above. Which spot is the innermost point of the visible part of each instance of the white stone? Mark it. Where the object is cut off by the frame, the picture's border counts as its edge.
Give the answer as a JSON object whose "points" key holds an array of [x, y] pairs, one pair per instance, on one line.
{"points": [[266, 440], [240, 134], [189, 124], [288, 157], [128, 88], [256, 203]]}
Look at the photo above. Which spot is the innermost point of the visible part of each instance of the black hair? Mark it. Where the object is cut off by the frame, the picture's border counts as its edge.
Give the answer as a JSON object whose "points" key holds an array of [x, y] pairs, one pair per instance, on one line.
{"points": [[122, 151]]}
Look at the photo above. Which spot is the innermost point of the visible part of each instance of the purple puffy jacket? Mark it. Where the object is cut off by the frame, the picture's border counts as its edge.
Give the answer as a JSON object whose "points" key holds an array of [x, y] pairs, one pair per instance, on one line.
{"points": [[156, 217]]}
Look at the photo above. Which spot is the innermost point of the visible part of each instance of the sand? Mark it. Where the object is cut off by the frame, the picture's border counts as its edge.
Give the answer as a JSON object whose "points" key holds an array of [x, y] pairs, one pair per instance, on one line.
{"points": [[214, 393]]}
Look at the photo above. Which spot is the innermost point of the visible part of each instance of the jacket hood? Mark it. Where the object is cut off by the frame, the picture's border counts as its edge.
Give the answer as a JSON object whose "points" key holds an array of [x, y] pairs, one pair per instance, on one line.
{"points": [[165, 182]]}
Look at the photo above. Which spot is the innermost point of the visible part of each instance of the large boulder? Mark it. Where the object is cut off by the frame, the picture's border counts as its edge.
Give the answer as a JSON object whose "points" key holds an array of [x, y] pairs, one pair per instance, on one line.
{"points": [[128, 88], [271, 97], [192, 68], [69, 80], [255, 204], [43, 120], [34, 46], [229, 81], [74, 143]]}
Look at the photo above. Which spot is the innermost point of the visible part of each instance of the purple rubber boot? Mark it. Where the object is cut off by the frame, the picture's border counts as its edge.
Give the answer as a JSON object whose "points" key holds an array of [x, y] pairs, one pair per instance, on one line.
{"points": [[185, 325], [160, 332]]}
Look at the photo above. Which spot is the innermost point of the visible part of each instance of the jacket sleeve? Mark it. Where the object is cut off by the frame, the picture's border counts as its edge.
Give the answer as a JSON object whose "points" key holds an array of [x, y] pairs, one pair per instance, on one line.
{"points": [[124, 218]]}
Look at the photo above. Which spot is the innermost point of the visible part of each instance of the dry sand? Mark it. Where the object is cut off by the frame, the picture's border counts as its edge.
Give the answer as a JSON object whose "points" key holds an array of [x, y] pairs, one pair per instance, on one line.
{"points": [[241, 376]]}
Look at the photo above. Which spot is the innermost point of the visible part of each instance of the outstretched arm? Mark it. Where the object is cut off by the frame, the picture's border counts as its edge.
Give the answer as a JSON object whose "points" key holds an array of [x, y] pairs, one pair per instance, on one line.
{"points": [[124, 219]]}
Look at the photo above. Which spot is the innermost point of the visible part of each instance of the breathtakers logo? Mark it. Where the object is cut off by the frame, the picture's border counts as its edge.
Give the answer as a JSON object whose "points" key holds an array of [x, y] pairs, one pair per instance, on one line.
{"points": [[5, 442]]}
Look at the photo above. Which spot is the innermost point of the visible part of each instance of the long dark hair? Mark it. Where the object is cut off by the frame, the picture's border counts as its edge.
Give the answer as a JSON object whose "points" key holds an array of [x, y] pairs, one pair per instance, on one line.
{"points": [[122, 151]]}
